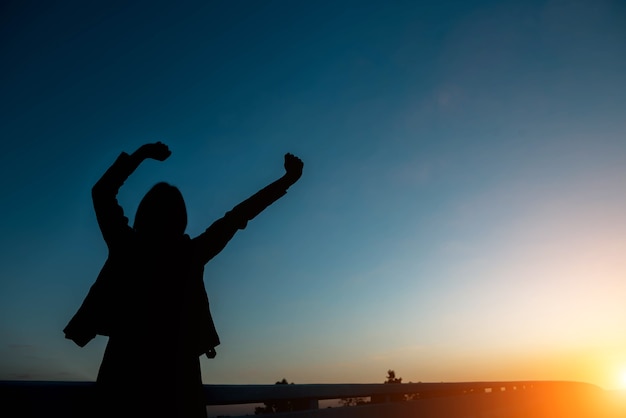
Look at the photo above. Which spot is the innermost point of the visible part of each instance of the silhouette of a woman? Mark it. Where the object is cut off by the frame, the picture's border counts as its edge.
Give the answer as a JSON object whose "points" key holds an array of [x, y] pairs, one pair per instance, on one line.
{"points": [[149, 297]]}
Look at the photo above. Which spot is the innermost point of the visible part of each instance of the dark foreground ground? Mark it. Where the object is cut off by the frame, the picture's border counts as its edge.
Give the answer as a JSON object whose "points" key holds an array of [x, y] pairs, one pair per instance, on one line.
{"points": [[558, 404], [503, 400]]}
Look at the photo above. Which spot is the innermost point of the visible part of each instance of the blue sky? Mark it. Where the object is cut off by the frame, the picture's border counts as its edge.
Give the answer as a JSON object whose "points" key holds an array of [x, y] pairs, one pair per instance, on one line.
{"points": [[461, 212]]}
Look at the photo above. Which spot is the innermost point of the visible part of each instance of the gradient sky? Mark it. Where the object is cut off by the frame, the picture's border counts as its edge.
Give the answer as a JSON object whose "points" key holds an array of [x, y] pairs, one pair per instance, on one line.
{"points": [[462, 213]]}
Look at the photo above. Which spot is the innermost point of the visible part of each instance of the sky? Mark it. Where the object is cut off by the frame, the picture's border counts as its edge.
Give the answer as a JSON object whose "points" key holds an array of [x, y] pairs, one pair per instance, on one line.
{"points": [[461, 216]]}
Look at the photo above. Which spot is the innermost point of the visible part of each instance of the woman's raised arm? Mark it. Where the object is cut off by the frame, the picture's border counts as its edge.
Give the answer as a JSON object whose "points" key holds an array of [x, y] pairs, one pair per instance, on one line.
{"points": [[113, 224], [215, 238]]}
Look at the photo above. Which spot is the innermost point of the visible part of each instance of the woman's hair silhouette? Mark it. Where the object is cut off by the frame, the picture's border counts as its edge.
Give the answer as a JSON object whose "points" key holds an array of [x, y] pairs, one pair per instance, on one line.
{"points": [[149, 297], [161, 212]]}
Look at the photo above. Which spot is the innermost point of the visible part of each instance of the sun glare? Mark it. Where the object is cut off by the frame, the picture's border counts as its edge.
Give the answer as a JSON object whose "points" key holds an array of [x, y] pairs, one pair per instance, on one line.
{"points": [[622, 379]]}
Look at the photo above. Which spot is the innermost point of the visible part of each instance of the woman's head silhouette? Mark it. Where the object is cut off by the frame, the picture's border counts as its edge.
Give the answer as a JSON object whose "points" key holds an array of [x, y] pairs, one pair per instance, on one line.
{"points": [[161, 213]]}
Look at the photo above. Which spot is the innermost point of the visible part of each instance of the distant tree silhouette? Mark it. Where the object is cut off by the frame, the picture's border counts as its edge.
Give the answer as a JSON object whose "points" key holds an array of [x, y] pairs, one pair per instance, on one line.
{"points": [[391, 377], [274, 407]]}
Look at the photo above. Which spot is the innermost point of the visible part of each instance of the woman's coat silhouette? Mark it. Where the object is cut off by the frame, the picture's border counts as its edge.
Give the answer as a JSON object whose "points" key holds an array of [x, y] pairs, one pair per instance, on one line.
{"points": [[149, 297]]}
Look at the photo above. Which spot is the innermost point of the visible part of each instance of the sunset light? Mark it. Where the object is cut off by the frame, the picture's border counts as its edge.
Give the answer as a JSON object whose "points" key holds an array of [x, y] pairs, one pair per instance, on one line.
{"points": [[461, 215]]}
